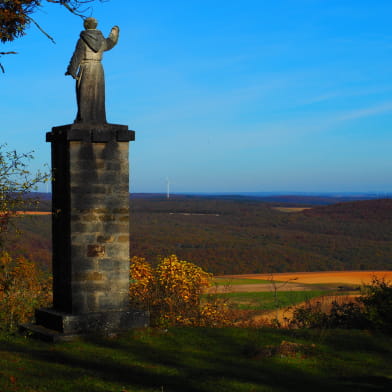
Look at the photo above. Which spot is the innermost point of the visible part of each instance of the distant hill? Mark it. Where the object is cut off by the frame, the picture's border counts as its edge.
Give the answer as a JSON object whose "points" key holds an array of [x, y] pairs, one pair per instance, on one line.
{"points": [[279, 199], [313, 199], [375, 210], [242, 235], [252, 236]]}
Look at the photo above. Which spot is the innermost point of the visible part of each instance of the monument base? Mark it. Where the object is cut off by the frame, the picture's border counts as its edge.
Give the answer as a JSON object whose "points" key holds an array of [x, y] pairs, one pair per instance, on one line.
{"points": [[52, 325]]}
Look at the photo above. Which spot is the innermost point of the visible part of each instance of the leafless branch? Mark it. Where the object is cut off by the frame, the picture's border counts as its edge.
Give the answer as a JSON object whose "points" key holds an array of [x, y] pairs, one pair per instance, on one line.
{"points": [[41, 29], [75, 6], [1, 54]]}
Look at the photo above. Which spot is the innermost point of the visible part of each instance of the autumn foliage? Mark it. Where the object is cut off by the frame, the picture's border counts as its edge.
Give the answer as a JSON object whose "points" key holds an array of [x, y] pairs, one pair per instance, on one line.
{"points": [[15, 17], [23, 288], [172, 292]]}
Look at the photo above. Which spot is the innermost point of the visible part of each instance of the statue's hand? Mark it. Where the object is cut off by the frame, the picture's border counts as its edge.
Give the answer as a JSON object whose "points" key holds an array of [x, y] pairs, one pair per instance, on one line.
{"points": [[68, 73]]}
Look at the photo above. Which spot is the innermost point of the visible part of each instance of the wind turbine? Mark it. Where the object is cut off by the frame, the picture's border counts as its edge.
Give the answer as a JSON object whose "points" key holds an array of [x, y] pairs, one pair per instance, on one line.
{"points": [[167, 188]]}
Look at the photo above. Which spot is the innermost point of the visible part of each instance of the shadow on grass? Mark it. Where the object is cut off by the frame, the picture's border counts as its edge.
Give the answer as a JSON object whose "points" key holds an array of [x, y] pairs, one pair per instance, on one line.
{"points": [[190, 359]]}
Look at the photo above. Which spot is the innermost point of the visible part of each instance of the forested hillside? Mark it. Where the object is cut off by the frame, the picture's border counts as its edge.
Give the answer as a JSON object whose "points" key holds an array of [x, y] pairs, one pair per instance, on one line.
{"points": [[232, 236], [32, 240], [226, 236]]}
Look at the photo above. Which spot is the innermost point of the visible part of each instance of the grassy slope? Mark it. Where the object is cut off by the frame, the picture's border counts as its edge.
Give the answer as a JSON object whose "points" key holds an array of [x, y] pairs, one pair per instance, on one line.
{"points": [[205, 360]]}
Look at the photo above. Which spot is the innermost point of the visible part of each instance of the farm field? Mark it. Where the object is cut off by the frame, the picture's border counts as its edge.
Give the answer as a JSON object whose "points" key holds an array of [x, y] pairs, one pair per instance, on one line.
{"points": [[299, 281], [276, 299], [291, 209], [22, 213], [38, 213], [254, 287], [346, 277]]}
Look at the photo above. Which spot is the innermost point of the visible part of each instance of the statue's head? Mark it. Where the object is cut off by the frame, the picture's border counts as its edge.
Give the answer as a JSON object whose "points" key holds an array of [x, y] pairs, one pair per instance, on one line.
{"points": [[90, 23]]}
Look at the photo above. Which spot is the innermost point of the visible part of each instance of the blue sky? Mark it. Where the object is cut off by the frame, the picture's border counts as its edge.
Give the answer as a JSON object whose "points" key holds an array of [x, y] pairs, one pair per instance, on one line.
{"points": [[225, 96]]}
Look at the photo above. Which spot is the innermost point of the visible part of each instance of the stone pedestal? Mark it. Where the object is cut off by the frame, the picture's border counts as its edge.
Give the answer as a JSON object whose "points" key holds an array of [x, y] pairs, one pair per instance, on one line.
{"points": [[90, 231]]}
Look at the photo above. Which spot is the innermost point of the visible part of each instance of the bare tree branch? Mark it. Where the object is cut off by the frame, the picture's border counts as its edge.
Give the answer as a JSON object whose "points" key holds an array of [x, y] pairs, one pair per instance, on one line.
{"points": [[74, 6], [75, 9], [2, 54], [41, 29]]}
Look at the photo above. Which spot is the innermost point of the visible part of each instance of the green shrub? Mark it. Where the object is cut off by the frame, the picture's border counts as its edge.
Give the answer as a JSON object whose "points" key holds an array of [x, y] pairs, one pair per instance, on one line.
{"points": [[377, 301], [348, 315], [309, 316], [372, 310]]}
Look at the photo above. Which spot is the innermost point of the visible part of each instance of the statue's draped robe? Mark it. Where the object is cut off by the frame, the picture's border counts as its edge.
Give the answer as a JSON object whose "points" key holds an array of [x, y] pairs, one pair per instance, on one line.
{"points": [[86, 67]]}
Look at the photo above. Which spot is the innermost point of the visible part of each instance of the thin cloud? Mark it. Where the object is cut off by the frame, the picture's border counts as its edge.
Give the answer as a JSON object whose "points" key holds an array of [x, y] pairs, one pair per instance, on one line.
{"points": [[366, 112]]}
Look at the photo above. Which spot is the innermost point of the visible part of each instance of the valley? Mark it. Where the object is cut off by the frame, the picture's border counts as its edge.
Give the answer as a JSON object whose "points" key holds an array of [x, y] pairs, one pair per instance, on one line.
{"points": [[238, 235]]}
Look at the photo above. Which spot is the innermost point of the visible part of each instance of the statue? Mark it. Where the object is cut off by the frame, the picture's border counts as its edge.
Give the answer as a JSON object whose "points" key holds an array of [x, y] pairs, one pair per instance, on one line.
{"points": [[85, 66]]}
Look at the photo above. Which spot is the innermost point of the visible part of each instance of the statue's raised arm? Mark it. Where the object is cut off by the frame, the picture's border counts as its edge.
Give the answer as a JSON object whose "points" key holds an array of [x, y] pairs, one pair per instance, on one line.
{"points": [[85, 66], [113, 38]]}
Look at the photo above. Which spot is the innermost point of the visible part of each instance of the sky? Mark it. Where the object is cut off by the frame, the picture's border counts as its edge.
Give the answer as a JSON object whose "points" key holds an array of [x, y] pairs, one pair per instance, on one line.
{"points": [[224, 95]]}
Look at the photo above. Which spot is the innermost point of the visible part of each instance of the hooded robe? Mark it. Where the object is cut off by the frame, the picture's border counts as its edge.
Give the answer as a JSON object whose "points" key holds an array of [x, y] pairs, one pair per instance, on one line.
{"points": [[85, 66]]}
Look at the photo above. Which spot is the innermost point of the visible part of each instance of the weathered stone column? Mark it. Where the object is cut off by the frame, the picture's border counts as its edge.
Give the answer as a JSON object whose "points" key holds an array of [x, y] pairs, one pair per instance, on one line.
{"points": [[90, 231]]}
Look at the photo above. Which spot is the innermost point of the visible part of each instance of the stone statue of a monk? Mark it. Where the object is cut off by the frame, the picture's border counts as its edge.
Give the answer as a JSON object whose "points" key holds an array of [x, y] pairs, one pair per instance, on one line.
{"points": [[85, 66]]}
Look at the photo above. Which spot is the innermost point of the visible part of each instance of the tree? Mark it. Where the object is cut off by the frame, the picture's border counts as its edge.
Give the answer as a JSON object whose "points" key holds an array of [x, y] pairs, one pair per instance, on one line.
{"points": [[377, 300], [16, 182], [16, 16], [172, 293], [23, 288]]}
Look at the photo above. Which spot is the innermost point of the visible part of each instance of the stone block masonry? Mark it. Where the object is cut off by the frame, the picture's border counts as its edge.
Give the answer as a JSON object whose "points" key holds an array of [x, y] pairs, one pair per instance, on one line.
{"points": [[90, 227]]}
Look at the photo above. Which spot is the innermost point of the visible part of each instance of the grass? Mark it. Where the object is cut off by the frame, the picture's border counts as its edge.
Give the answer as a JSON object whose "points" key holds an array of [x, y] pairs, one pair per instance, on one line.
{"points": [[200, 360], [269, 300]]}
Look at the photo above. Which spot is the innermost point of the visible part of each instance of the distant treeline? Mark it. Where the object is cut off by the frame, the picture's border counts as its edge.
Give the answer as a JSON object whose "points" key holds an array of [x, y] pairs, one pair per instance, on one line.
{"points": [[241, 235]]}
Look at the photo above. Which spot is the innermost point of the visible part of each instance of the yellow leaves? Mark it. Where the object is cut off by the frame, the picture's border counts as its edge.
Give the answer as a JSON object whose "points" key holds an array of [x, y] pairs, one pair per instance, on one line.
{"points": [[172, 293], [181, 278], [22, 289], [141, 279]]}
